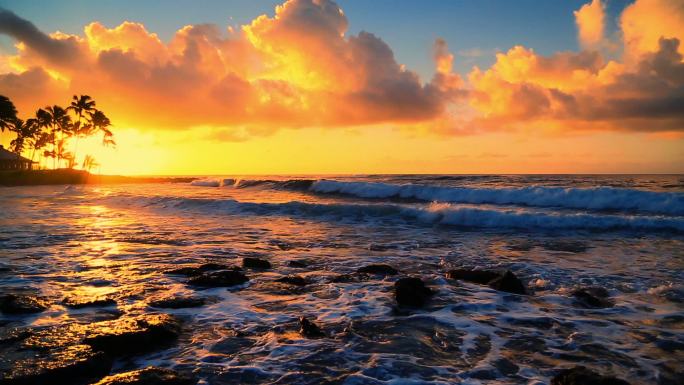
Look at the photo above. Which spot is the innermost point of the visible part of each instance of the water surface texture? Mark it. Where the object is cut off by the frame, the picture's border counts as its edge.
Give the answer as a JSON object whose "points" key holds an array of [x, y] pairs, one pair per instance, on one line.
{"points": [[557, 233]]}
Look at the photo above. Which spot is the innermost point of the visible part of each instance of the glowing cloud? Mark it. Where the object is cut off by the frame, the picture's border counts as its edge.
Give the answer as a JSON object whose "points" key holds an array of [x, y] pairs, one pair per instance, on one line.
{"points": [[590, 24]]}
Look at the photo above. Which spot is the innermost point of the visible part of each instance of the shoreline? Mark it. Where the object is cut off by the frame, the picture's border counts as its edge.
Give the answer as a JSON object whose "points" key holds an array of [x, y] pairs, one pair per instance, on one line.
{"points": [[76, 177]]}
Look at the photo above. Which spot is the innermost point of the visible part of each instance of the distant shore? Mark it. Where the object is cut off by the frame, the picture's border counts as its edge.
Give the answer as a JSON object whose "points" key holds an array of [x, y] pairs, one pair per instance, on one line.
{"points": [[69, 176]]}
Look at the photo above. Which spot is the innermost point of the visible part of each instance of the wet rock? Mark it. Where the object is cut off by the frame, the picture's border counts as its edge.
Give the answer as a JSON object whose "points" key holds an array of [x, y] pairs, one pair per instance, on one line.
{"points": [[149, 376], [506, 367], [133, 335], [293, 280], [79, 303], [579, 375], [378, 269], [178, 302], [221, 278], [300, 264], [255, 263], [190, 271], [75, 364], [592, 297], [481, 277], [411, 291], [509, 283], [309, 329], [22, 304], [347, 278]]}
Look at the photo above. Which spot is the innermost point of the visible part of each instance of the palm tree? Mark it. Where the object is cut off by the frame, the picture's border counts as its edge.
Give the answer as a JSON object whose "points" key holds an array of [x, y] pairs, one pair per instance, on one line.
{"points": [[81, 105], [40, 141], [8, 113], [60, 122], [89, 162], [22, 130], [102, 123]]}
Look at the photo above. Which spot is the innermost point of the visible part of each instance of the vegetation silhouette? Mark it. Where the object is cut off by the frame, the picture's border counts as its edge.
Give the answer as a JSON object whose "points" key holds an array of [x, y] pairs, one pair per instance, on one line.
{"points": [[52, 128]]}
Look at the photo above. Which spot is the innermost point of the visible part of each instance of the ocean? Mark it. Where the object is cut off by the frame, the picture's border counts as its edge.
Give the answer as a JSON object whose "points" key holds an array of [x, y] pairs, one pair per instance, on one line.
{"points": [[556, 233]]}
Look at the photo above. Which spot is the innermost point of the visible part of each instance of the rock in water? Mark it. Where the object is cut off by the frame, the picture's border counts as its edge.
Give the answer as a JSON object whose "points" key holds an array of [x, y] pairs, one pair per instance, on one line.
{"points": [[579, 375], [481, 277], [75, 364], [178, 302], [309, 329], [293, 280], [221, 278], [378, 269], [79, 303], [509, 283], [191, 271], [255, 263], [22, 304], [411, 291], [592, 297], [300, 264], [133, 335], [149, 376]]}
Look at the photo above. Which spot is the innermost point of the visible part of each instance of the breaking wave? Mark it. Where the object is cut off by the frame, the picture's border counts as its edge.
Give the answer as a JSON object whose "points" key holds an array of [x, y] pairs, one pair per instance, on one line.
{"points": [[433, 214]]}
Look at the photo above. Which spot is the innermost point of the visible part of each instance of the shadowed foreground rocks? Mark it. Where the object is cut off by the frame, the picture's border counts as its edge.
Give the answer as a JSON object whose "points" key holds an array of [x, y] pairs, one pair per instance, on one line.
{"points": [[221, 278], [295, 280], [148, 376], [411, 291], [22, 304], [191, 271], [378, 269], [506, 281], [79, 303], [255, 263], [309, 329], [134, 335], [178, 302], [592, 297], [579, 375]]}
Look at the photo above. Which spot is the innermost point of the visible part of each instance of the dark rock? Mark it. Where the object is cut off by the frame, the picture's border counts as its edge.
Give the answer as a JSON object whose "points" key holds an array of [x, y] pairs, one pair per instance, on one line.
{"points": [[22, 304], [378, 269], [255, 263], [309, 329], [133, 335], [592, 297], [579, 375], [190, 271], [300, 264], [149, 376], [221, 278], [74, 364], [293, 280], [506, 367], [178, 302], [481, 277], [346, 278], [411, 291], [509, 283], [77, 303]]}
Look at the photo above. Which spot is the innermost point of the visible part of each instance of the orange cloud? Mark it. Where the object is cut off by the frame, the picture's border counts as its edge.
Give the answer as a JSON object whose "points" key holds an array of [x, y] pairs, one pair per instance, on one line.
{"points": [[590, 24], [301, 68]]}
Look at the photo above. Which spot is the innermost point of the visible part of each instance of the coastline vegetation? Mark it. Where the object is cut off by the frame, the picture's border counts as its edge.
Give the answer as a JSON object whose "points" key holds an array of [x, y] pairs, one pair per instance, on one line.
{"points": [[49, 132]]}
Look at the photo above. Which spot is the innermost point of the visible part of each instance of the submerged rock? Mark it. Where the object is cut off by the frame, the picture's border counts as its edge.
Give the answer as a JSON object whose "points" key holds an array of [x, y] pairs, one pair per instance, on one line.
{"points": [[22, 304], [190, 271], [255, 263], [481, 277], [579, 375], [77, 303], [411, 291], [592, 297], [178, 302], [309, 329], [133, 335], [75, 364], [378, 269], [509, 283], [300, 264], [221, 278], [506, 281], [293, 280], [149, 376], [346, 278]]}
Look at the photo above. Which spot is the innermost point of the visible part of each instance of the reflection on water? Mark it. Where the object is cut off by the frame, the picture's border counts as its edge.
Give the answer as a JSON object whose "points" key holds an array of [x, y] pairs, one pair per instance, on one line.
{"points": [[86, 243]]}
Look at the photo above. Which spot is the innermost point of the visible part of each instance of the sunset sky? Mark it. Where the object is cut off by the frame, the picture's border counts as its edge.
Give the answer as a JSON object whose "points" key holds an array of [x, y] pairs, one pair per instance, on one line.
{"points": [[314, 86]]}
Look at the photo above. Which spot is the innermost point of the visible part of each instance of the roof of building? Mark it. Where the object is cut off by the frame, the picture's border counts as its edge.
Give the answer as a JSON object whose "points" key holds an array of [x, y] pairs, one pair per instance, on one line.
{"points": [[8, 155]]}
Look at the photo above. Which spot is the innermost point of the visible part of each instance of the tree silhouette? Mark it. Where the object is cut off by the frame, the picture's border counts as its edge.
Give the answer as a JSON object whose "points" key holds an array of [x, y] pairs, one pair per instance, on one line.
{"points": [[8, 113]]}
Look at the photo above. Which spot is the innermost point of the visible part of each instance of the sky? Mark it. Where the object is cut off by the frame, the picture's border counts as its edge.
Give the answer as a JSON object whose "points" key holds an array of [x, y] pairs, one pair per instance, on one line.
{"points": [[323, 87]]}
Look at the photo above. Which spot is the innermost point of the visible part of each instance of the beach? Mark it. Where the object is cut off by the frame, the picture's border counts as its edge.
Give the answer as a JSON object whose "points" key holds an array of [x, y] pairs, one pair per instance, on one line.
{"points": [[235, 262]]}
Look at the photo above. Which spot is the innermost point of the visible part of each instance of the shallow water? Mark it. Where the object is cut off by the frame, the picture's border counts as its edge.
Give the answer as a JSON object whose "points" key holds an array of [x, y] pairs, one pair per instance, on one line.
{"points": [[624, 233]]}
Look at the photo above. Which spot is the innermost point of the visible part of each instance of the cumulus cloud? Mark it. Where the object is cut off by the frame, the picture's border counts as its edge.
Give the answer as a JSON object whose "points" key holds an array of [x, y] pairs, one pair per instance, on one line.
{"points": [[301, 68]]}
